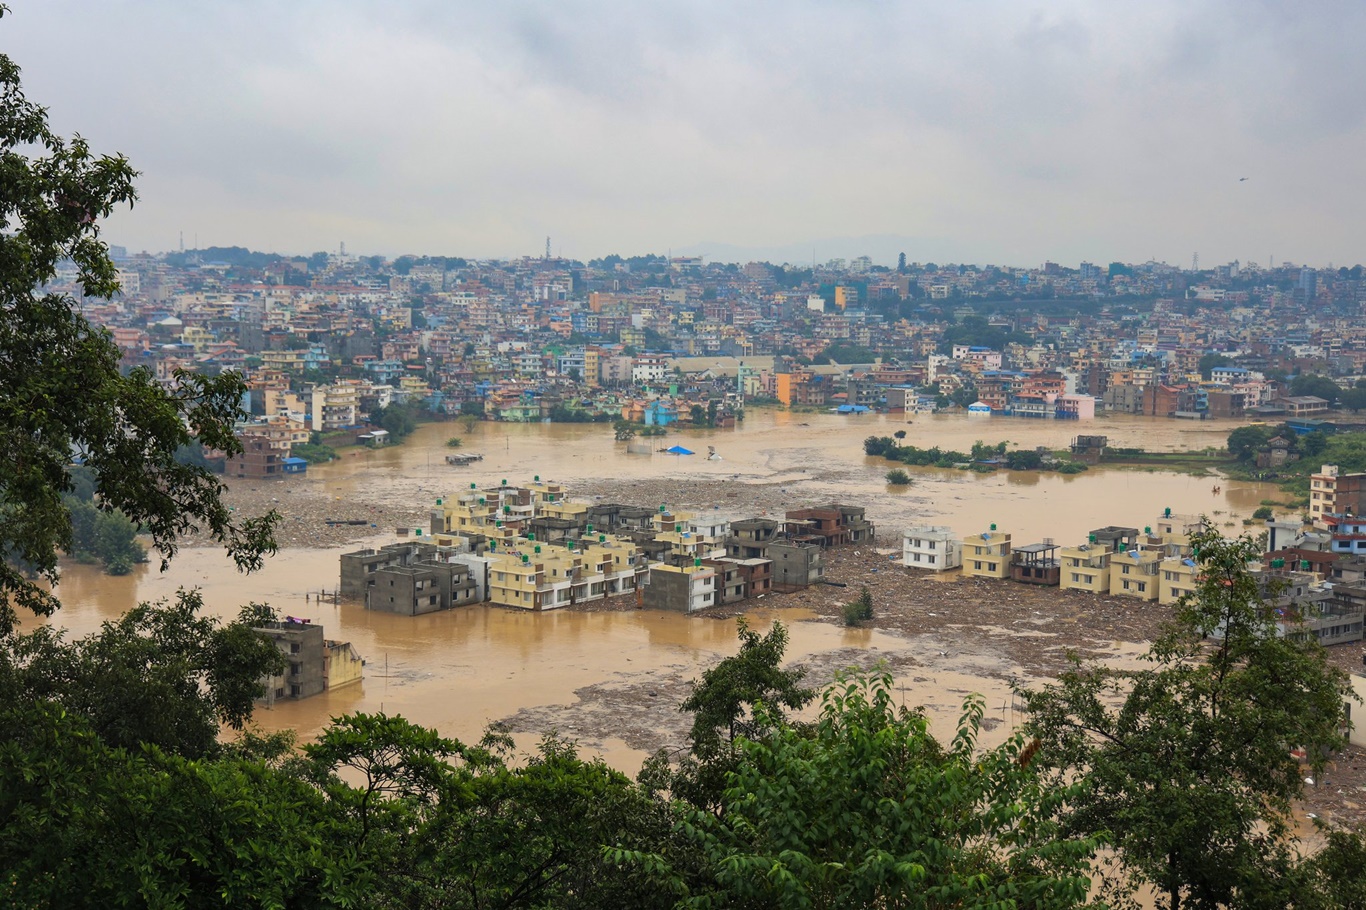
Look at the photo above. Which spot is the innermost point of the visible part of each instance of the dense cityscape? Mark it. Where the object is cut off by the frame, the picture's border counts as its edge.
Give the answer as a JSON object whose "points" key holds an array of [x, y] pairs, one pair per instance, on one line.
{"points": [[326, 341], [715, 576]]}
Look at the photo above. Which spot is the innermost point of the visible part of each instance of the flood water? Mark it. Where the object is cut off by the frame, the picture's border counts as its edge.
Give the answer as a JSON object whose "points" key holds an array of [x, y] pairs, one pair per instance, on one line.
{"points": [[460, 670]]}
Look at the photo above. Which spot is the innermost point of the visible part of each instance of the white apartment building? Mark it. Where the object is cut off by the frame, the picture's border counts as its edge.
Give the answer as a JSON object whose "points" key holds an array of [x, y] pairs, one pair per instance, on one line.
{"points": [[931, 547]]}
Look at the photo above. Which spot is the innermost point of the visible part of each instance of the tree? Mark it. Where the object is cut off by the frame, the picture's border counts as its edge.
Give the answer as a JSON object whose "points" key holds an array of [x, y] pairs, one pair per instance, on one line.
{"points": [[860, 609], [724, 706], [1187, 763], [1317, 386], [1209, 361], [87, 824], [1354, 399], [397, 419], [1024, 460], [61, 390], [878, 446], [898, 478], [898, 436], [162, 675], [1244, 442], [443, 824], [623, 430], [868, 809]]}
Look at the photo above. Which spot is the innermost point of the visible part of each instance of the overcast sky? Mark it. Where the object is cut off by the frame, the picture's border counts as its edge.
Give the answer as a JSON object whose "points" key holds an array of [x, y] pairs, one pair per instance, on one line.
{"points": [[1002, 132]]}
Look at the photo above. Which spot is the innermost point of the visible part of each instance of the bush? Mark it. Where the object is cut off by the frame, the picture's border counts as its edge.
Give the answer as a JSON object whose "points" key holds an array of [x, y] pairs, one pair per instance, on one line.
{"points": [[860, 609], [898, 478], [313, 454], [454, 442], [1071, 467], [1264, 514]]}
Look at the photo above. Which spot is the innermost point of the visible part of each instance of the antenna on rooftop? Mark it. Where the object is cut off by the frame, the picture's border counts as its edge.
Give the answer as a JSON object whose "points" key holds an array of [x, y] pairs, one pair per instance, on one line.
{"points": [[182, 241], [547, 246]]}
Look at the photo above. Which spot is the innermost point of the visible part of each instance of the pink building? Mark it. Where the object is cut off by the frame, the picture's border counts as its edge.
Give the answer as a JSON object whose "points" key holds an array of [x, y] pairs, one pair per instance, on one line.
{"points": [[1075, 407]]}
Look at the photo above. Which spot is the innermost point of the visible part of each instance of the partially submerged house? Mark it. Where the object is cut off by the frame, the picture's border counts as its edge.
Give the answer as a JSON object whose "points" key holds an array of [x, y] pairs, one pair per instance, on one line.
{"points": [[313, 663]]}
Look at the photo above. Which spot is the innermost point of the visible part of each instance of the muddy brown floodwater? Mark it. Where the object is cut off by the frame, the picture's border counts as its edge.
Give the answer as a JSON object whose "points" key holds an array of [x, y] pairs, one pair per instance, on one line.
{"points": [[612, 678]]}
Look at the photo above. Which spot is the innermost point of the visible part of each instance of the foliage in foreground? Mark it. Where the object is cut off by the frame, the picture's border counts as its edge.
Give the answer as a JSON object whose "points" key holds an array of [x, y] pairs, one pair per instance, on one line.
{"points": [[867, 809], [61, 389], [1188, 762]]}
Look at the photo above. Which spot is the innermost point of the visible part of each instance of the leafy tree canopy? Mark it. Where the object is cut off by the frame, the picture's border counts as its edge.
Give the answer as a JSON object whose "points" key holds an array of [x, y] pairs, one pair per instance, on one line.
{"points": [[61, 390], [868, 809], [1187, 762]]}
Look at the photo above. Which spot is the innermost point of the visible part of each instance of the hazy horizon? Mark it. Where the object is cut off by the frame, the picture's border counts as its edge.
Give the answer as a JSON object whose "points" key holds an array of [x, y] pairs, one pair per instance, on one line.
{"points": [[1000, 132]]}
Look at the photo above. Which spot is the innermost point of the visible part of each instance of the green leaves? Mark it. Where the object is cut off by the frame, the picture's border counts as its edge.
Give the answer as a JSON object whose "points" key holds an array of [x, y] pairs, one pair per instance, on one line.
{"points": [[61, 389], [868, 809], [1188, 762], [162, 675]]}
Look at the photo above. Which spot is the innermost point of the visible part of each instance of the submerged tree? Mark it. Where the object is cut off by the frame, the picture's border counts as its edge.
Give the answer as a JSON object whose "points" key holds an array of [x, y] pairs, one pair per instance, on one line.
{"points": [[1188, 762], [61, 389]]}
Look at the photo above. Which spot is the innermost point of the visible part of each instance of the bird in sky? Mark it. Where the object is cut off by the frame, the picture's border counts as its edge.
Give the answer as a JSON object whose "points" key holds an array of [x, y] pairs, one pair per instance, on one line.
{"points": [[1241, 179]]}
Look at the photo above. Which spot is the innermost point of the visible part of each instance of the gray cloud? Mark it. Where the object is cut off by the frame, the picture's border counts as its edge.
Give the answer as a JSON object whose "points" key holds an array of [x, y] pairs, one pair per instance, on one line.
{"points": [[988, 131]]}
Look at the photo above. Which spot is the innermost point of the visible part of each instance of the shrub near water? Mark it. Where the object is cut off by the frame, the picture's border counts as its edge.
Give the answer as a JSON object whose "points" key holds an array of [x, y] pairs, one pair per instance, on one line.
{"points": [[860, 609]]}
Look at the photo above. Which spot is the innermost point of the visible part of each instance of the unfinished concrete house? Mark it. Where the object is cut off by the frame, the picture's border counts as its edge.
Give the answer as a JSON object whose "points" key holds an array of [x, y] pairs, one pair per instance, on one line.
{"points": [[796, 564], [314, 663], [749, 538], [682, 589], [410, 578]]}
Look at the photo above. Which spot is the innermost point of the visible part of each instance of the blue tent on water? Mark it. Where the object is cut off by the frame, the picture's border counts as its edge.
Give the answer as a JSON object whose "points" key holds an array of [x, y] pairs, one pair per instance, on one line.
{"points": [[678, 450]]}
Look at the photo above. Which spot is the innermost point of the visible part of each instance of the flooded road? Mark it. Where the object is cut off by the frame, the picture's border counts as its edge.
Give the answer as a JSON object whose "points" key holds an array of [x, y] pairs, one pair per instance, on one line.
{"points": [[461, 670]]}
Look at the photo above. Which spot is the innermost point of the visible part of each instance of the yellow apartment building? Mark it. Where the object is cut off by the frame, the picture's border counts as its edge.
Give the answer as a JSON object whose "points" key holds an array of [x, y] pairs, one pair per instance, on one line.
{"points": [[987, 555], [1134, 573], [1085, 568], [534, 576], [1177, 577]]}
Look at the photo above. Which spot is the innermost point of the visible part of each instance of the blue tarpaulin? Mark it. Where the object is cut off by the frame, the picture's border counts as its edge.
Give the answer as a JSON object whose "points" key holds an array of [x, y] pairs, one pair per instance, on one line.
{"points": [[679, 450]]}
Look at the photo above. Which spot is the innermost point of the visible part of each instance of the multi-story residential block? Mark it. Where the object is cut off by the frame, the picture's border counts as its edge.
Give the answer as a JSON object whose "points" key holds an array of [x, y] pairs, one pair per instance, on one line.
{"points": [[1085, 568], [683, 589], [1333, 492], [1134, 573], [1036, 564], [1177, 577], [987, 555], [336, 407], [796, 564], [932, 547]]}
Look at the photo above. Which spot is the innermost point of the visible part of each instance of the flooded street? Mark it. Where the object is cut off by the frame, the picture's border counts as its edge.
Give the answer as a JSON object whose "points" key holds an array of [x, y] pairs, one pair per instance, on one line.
{"points": [[461, 670]]}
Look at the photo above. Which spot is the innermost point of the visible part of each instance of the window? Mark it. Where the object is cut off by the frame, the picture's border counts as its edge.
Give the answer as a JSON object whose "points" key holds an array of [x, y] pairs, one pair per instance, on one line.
{"points": [[1142, 587], [977, 565], [931, 544]]}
